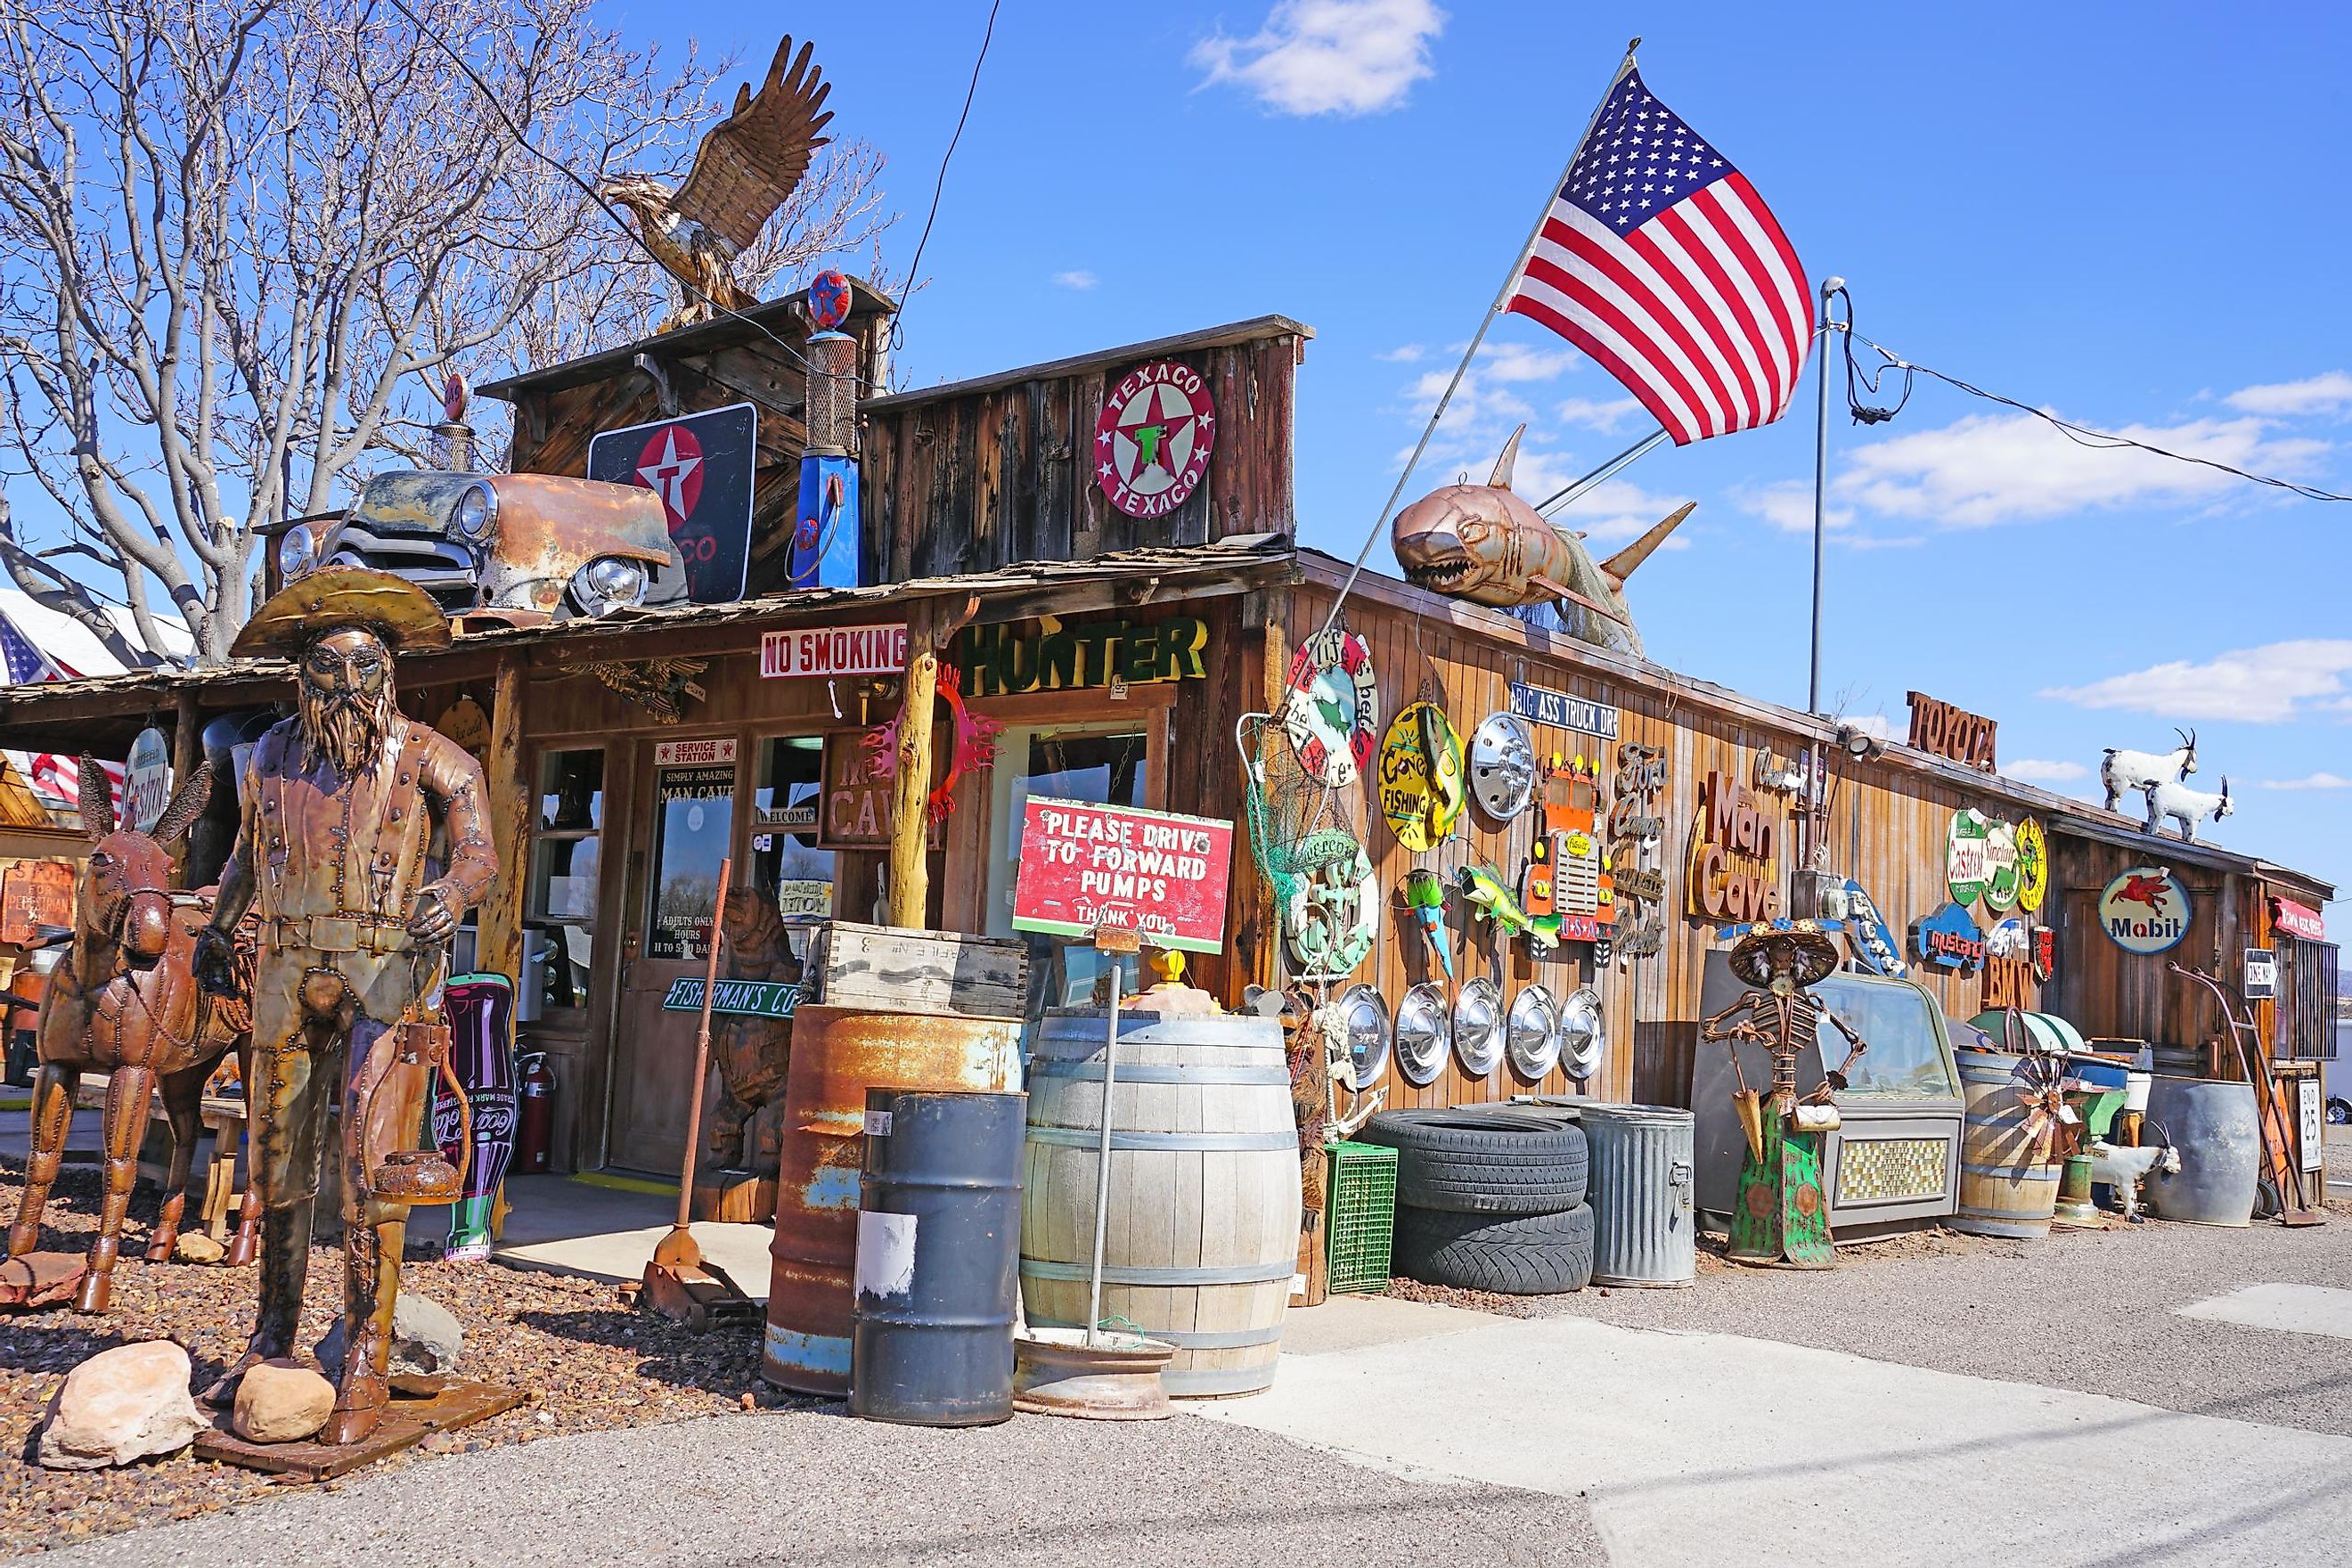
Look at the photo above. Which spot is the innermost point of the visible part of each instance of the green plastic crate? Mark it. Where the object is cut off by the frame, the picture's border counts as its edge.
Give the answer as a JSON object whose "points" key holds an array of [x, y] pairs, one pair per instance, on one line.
{"points": [[1361, 1216]]}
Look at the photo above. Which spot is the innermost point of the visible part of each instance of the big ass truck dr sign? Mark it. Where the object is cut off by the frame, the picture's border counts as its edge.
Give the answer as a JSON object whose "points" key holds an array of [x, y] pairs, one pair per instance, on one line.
{"points": [[1161, 876]]}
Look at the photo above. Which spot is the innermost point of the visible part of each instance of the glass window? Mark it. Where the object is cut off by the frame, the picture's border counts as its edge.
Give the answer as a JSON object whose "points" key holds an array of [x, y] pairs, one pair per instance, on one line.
{"points": [[694, 827], [1104, 767], [565, 852], [785, 860], [1899, 1021]]}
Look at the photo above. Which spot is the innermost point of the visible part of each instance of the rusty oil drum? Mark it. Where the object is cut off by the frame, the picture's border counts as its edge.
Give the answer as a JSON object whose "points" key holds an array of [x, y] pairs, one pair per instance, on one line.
{"points": [[839, 1054]]}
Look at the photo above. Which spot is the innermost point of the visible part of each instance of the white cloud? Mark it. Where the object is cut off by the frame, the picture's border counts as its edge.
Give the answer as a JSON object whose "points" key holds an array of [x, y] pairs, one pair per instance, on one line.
{"points": [[2035, 770], [2310, 781], [1595, 414], [1403, 354], [1607, 514], [1992, 468], [1077, 278], [1788, 505], [2329, 392], [1520, 361], [2267, 685], [1328, 57]]}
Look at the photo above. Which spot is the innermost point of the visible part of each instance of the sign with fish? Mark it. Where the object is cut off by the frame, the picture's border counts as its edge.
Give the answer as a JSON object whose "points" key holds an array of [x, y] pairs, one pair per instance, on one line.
{"points": [[1332, 713], [1419, 776]]}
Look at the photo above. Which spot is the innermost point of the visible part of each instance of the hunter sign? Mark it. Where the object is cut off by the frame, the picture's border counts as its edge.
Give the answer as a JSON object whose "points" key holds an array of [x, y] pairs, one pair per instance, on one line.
{"points": [[1084, 866]]}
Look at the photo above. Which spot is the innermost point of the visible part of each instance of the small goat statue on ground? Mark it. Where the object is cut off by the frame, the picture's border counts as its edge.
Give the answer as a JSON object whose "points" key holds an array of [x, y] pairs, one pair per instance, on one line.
{"points": [[2124, 1169], [2186, 807], [2143, 770]]}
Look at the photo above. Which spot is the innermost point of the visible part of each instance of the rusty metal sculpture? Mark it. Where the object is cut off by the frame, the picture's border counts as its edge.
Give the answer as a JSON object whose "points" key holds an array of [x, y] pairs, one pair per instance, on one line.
{"points": [[124, 1004], [744, 1123], [1484, 543], [746, 168], [341, 804], [1781, 1213]]}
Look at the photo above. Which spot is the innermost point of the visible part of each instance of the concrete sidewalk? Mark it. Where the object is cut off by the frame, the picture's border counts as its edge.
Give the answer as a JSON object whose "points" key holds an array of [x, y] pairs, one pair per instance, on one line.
{"points": [[1710, 1449]]}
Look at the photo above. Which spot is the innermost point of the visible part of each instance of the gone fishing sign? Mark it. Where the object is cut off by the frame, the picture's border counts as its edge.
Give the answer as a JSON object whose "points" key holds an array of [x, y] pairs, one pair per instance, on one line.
{"points": [[1160, 876]]}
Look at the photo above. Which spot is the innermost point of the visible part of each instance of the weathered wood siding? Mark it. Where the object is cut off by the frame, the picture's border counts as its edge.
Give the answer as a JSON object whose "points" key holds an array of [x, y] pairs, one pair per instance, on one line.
{"points": [[971, 481], [2105, 991]]}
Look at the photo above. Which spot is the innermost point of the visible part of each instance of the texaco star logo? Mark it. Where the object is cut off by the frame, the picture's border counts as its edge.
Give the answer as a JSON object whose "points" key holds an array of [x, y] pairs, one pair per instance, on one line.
{"points": [[671, 467], [1153, 439]]}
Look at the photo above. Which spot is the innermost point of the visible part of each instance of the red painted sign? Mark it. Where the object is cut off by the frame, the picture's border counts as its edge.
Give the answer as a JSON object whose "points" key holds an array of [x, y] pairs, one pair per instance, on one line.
{"points": [[833, 650], [33, 894], [2298, 919], [1158, 875], [1153, 438]]}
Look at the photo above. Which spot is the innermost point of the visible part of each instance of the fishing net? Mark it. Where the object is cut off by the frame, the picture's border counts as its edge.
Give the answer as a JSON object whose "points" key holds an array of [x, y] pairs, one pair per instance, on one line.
{"points": [[1296, 826]]}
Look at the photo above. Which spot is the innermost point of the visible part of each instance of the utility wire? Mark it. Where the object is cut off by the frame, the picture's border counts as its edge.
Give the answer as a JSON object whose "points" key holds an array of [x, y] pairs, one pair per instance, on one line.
{"points": [[915, 271], [2081, 435], [552, 161]]}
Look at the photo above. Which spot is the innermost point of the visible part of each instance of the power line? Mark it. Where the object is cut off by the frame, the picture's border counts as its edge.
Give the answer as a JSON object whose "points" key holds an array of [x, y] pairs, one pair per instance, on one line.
{"points": [[914, 272], [2081, 435]]}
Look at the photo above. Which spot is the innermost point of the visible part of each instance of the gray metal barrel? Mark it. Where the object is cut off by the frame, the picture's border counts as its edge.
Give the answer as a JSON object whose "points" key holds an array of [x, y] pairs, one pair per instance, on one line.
{"points": [[2212, 1124], [1643, 1229], [938, 1252]]}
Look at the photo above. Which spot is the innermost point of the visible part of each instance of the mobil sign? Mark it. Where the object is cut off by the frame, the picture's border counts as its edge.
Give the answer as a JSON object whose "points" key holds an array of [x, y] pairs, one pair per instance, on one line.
{"points": [[1086, 867], [2145, 910]]}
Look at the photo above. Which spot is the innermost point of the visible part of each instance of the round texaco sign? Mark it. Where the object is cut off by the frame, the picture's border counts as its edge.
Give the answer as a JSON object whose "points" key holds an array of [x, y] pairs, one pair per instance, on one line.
{"points": [[1153, 439]]}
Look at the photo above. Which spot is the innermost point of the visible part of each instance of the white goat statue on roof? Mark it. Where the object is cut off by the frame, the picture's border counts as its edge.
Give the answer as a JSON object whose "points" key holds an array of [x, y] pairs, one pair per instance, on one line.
{"points": [[2143, 770], [2186, 807]]}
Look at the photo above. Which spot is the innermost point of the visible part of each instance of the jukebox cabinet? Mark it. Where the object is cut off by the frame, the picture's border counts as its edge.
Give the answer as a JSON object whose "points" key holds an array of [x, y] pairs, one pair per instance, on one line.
{"points": [[1894, 1161]]}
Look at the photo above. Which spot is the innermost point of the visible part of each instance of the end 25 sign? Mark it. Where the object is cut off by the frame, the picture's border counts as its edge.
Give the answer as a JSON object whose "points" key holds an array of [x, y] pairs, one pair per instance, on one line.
{"points": [[1161, 876]]}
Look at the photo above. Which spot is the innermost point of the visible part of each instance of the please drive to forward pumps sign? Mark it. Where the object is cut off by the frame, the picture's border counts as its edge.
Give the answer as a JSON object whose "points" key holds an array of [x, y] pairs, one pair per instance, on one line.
{"points": [[1161, 876]]}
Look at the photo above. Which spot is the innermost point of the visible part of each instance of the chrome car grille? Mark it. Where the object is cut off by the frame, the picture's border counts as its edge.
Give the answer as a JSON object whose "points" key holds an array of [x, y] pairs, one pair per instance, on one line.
{"points": [[446, 569]]}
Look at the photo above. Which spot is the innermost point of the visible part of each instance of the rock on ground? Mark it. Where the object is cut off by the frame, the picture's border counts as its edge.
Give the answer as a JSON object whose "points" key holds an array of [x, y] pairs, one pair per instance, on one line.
{"points": [[196, 1246], [427, 1339], [280, 1402], [126, 1403]]}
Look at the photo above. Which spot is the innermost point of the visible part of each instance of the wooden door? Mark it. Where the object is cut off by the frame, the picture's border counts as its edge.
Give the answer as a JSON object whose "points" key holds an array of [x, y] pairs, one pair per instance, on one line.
{"points": [[686, 827]]}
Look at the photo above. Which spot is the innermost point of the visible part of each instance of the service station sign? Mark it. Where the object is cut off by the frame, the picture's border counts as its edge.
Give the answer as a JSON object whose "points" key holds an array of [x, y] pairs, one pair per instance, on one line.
{"points": [[1086, 867]]}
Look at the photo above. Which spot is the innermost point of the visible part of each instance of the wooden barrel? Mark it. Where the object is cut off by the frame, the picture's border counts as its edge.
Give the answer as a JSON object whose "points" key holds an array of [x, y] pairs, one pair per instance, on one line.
{"points": [[2004, 1188], [1204, 1212]]}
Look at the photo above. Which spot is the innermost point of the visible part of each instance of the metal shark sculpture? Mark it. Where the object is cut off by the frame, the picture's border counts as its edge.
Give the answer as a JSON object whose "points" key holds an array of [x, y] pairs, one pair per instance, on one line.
{"points": [[1484, 543]]}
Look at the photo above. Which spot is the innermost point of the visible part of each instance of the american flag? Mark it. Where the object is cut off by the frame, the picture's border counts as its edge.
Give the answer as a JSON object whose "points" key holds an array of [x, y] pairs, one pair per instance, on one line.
{"points": [[1659, 260]]}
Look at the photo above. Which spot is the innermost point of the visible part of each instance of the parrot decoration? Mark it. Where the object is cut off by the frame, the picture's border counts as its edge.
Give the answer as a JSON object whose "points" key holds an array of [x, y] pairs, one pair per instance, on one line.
{"points": [[1424, 891]]}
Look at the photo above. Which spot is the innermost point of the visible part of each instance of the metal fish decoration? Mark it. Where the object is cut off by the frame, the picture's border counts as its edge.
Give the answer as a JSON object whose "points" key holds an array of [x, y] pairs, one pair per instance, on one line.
{"points": [[1484, 543], [1489, 896]]}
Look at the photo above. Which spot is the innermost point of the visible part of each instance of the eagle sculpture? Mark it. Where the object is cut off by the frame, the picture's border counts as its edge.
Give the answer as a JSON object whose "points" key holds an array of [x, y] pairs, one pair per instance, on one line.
{"points": [[747, 166]]}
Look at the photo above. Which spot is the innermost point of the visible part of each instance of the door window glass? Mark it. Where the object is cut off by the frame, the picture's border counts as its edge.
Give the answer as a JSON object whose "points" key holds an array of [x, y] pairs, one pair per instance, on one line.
{"points": [[785, 860], [694, 824], [1102, 767], [567, 849]]}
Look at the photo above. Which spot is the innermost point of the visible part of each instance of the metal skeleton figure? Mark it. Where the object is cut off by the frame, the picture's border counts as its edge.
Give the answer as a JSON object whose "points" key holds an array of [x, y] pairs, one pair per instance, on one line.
{"points": [[1780, 1215], [340, 807]]}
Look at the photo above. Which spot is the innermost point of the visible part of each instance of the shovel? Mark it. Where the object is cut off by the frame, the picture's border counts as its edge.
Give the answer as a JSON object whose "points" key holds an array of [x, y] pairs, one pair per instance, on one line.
{"points": [[679, 1284]]}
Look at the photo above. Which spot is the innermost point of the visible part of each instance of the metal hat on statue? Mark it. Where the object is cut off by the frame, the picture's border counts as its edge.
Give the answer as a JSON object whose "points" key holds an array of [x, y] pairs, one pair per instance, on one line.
{"points": [[1502, 767], [397, 609], [1817, 955]]}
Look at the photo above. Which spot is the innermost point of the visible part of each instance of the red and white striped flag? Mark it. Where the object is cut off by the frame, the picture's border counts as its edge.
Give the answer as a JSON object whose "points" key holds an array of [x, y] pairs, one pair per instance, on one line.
{"points": [[1659, 260]]}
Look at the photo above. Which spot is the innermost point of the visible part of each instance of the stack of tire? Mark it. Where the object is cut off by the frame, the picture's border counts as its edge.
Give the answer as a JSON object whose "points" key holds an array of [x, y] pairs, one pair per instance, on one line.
{"points": [[1490, 1197]]}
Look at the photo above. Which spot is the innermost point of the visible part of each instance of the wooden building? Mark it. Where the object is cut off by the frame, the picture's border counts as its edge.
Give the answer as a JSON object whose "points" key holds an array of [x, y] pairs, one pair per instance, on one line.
{"points": [[981, 499]]}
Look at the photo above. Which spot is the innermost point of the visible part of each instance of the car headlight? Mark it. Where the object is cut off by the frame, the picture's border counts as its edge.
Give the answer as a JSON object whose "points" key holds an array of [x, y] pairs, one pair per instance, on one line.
{"points": [[607, 583], [476, 517], [298, 552]]}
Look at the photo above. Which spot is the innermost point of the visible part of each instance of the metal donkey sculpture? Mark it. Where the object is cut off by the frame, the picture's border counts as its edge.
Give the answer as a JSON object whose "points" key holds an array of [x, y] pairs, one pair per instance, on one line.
{"points": [[124, 1004]]}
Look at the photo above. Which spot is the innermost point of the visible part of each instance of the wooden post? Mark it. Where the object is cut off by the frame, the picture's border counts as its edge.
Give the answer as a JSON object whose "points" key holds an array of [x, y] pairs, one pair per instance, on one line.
{"points": [[909, 858], [498, 950]]}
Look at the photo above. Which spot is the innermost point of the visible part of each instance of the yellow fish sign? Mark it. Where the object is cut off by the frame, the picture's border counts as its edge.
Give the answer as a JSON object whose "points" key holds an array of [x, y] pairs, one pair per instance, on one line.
{"points": [[1420, 776]]}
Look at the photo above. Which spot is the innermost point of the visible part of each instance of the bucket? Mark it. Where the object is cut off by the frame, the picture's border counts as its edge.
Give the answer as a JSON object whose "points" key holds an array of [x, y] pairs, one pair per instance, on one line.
{"points": [[839, 1053], [1643, 1229], [2212, 1124], [938, 1246], [1204, 1197], [2003, 1190]]}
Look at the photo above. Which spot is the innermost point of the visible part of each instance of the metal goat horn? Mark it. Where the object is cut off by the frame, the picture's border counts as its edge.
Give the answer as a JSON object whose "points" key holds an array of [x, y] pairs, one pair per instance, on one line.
{"points": [[97, 798], [1500, 479], [1620, 566]]}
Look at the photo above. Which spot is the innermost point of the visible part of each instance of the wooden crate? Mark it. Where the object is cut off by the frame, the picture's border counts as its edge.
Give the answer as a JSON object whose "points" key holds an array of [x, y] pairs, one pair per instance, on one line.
{"points": [[884, 969]]}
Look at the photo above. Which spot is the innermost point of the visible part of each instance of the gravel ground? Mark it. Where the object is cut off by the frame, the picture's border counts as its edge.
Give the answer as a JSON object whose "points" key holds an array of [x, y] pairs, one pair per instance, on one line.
{"points": [[588, 1362], [2091, 1310], [812, 1488]]}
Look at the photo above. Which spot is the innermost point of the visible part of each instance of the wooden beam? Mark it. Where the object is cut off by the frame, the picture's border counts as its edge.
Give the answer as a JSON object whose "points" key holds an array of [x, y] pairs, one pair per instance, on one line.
{"points": [[500, 948], [909, 854]]}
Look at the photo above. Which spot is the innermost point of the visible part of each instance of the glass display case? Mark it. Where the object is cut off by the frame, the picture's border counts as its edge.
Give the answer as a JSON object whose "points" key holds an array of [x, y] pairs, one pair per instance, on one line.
{"points": [[1894, 1162]]}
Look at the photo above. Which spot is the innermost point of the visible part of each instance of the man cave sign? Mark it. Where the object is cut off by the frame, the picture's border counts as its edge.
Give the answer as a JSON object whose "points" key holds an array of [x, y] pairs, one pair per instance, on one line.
{"points": [[1153, 439]]}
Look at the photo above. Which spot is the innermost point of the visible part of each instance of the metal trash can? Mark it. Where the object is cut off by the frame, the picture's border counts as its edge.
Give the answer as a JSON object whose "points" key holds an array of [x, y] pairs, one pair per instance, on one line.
{"points": [[2212, 1123], [939, 1257], [1645, 1230]]}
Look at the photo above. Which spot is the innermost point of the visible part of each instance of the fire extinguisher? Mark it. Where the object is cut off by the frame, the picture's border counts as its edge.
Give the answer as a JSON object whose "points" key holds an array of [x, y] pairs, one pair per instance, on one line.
{"points": [[537, 1091]]}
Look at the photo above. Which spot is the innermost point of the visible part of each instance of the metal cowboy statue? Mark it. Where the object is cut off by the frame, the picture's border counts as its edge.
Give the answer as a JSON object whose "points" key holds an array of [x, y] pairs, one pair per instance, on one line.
{"points": [[340, 805], [1780, 1215]]}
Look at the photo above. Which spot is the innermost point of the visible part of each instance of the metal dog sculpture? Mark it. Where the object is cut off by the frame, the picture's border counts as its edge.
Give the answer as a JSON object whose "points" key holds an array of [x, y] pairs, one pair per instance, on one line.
{"points": [[125, 1003]]}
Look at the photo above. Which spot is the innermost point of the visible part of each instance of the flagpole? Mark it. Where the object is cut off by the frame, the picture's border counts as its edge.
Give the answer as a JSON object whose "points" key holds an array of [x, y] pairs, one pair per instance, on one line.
{"points": [[1502, 295], [1821, 488], [1576, 488]]}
